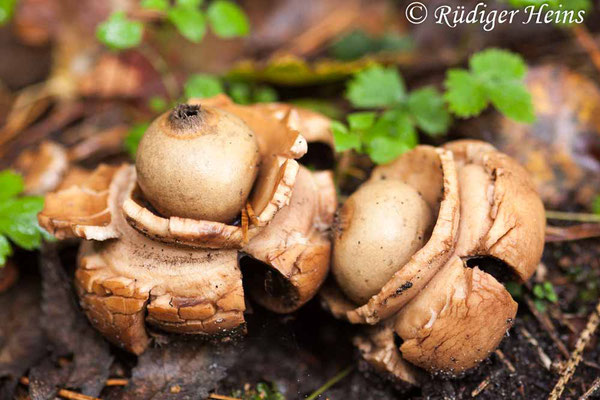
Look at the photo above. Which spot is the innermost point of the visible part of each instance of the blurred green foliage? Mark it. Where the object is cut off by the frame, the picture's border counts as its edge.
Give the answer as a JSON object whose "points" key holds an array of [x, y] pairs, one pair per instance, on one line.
{"points": [[18, 216]]}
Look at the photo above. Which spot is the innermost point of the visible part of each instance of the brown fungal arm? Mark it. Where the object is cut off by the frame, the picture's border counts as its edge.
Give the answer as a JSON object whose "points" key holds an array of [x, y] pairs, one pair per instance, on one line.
{"points": [[176, 230], [505, 217], [82, 210], [295, 245], [451, 315], [426, 262], [456, 321], [314, 126], [377, 346], [126, 282]]}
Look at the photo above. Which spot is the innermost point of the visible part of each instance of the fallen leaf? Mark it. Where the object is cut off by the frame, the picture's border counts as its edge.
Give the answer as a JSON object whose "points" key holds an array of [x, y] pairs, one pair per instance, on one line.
{"points": [[68, 331], [560, 149], [182, 369], [22, 341], [45, 380]]}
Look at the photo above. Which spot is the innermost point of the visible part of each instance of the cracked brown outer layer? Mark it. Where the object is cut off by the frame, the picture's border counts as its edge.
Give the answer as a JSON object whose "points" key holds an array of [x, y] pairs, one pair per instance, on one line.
{"points": [[456, 321], [457, 315], [378, 347], [296, 244], [516, 235], [123, 283], [133, 280], [81, 210]]}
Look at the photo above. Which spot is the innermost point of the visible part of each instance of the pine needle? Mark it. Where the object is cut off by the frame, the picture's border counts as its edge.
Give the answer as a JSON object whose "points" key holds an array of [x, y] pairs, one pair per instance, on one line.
{"points": [[341, 375]]}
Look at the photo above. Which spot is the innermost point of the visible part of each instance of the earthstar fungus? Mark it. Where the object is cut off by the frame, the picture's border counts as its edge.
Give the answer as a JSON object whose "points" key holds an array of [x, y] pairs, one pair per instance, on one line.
{"points": [[483, 221], [166, 239]]}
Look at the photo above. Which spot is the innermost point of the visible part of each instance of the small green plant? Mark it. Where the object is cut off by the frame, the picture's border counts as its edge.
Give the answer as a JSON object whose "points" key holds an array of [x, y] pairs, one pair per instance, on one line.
{"points": [[7, 9], [119, 33], [202, 85], [596, 205], [390, 129], [263, 391], [18, 216], [544, 292], [225, 18], [494, 76]]}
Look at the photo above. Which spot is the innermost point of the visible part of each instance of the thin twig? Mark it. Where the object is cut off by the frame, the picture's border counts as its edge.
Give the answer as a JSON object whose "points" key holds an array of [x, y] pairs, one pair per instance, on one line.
{"points": [[64, 393], [341, 375], [116, 382], [221, 397], [505, 361], [595, 386], [546, 361], [481, 387], [576, 356], [572, 216], [547, 325]]}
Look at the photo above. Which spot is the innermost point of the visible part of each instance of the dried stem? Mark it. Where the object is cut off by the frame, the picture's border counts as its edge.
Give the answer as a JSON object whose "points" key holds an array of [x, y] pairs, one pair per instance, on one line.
{"points": [[576, 356], [505, 361], [116, 382], [590, 392], [571, 216], [221, 397], [481, 387], [341, 375], [547, 325], [323, 30], [69, 394], [546, 361]]}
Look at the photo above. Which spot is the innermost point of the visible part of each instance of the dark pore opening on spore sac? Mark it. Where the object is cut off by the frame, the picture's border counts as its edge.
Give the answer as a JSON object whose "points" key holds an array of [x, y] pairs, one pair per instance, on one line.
{"points": [[260, 279], [500, 270], [319, 156], [185, 116]]}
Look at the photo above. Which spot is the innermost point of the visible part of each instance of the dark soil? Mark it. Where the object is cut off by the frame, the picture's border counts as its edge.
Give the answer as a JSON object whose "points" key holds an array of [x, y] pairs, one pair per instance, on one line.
{"points": [[300, 352]]}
